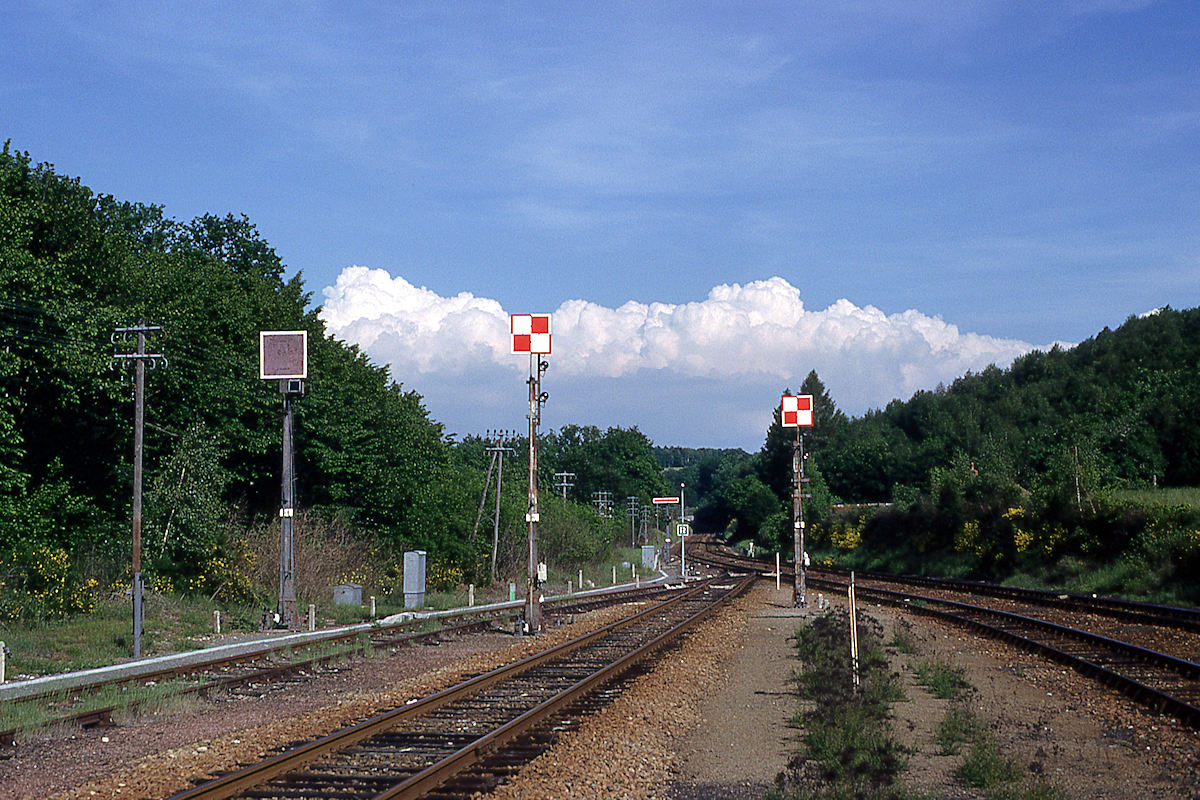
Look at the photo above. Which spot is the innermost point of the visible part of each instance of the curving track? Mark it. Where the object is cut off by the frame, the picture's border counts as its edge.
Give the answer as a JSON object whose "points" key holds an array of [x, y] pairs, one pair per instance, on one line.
{"points": [[271, 662], [469, 737], [1145, 651]]}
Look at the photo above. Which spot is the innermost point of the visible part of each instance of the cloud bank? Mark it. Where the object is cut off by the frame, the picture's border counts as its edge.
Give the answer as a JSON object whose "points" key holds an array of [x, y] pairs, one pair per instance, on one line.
{"points": [[704, 373]]}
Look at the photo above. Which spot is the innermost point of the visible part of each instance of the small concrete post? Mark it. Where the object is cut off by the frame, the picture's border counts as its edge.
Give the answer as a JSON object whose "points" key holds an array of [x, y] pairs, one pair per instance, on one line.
{"points": [[512, 591], [633, 569], [3, 653], [372, 606], [614, 583], [414, 578], [312, 617], [580, 584], [471, 594], [777, 572], [570, 588], [217, 622]]}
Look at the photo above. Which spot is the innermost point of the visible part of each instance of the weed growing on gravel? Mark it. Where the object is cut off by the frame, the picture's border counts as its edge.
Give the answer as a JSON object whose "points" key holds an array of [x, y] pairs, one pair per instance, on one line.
{"points": [[848, 750], [944, 680], [902, 638], [956, 728], [128, 701], [984, 766]]}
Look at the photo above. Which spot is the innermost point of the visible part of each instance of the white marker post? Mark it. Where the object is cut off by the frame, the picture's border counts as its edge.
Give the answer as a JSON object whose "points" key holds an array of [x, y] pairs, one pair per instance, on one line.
{"points": [[853, 632], [683, 532]]}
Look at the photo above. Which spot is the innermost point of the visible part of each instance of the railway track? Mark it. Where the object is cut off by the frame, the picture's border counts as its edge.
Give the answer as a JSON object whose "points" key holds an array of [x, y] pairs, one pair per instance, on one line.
{"points": [[1055, 626], [272, 663], [470, 737]]}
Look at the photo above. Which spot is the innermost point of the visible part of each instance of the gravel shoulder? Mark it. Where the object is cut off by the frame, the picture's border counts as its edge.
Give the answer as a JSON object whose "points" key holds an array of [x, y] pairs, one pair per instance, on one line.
{"points": [[709, 722]]}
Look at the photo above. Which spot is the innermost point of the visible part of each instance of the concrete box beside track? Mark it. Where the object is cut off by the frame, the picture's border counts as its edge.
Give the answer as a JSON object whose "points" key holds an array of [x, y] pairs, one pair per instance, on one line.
{"points": [[414, 578], [347, 594]]}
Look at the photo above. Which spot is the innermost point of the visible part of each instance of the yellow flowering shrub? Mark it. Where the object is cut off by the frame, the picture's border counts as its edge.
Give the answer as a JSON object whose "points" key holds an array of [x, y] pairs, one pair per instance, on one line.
{"points": [[442, 576], [40, 583], [846, 536], [967, 538]]}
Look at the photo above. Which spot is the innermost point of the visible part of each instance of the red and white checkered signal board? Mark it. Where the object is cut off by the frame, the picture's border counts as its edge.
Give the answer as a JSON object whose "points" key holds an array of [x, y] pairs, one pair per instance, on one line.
{"points": [[530, 333], [796, 411]]}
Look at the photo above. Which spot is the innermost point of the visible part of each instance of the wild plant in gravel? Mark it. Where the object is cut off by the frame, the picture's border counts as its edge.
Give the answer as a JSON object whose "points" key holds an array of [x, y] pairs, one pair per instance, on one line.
{"points": [[945, 680], [985, 767], [903, 639], [848, 750], [958, 727]]}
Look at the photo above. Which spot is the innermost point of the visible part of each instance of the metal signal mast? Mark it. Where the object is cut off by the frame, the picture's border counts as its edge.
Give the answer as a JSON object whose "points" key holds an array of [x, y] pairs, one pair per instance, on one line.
{"points": [[796, 411], [531, 334]]}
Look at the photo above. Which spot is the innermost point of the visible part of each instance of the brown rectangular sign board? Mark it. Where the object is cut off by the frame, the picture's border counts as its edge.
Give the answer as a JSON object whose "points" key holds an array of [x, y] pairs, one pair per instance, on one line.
{"points": [[282, 354]]}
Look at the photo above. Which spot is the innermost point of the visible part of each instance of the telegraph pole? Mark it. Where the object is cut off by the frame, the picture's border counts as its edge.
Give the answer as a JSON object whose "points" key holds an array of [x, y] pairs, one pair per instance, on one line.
{"points": [[603, 501], [633, 507], [487, 482], [498, 450], [564, 482], [139, 357]]}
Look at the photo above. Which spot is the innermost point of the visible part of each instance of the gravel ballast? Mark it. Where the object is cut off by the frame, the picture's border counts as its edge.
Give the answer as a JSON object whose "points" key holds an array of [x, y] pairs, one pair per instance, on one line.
{"points": [[710, 721]]}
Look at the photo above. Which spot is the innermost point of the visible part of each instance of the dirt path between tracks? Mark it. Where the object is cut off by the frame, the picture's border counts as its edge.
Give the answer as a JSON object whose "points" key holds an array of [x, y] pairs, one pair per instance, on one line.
{"points": [[709, 723]]}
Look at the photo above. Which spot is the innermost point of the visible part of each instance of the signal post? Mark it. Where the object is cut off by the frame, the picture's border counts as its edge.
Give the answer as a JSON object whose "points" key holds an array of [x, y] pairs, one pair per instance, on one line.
{"points": [[796, 411], [530, 333], [283, 357]]}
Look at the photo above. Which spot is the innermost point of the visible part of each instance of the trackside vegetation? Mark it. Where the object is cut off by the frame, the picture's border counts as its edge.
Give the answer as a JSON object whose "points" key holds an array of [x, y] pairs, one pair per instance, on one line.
{"points": [[847, 748], [376, 474], [1073, 468]]}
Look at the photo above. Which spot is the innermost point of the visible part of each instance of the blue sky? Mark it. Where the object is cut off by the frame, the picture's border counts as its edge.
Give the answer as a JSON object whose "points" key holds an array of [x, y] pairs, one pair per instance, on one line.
{"points": [[889, 192]]}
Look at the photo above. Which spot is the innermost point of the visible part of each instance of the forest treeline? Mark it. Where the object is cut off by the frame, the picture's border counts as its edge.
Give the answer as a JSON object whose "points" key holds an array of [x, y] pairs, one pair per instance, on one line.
{"points": [[1028, 473], [371, 464], [1024, 471]]}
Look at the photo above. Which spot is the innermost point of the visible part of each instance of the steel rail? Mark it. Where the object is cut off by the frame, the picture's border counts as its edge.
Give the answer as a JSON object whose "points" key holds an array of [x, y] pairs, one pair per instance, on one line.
{"points": [[974, 617], [396, 636], [1185, 708], [257, 774], [416, 785], [103, 715], [1182, 617]]}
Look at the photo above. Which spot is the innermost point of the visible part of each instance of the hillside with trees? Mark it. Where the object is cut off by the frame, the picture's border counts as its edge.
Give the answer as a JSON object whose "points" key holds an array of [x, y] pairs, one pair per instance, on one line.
{"points": [[375, 473], [1068, 468], [1026, 473]]}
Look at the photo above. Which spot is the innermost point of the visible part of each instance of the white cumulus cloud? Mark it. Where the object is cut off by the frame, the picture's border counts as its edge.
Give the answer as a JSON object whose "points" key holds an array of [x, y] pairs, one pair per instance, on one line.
{"points": [[743, 342]]}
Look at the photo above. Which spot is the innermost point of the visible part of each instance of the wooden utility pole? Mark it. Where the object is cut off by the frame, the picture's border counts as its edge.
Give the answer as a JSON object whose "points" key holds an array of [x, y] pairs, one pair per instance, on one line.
{"points": [[139, 358]]}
